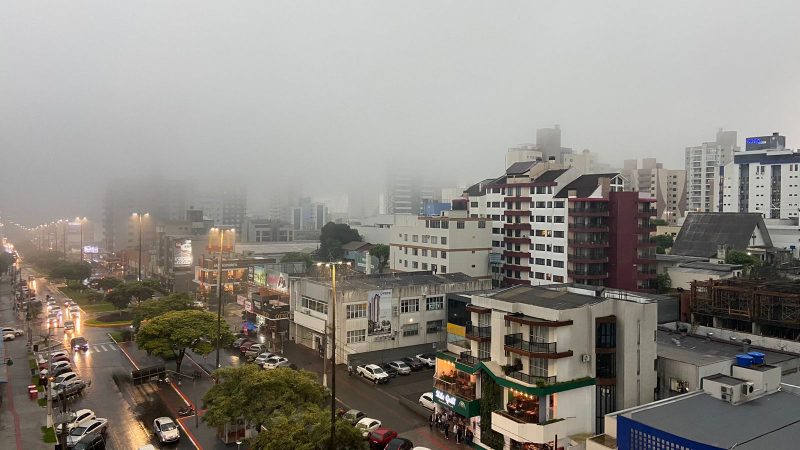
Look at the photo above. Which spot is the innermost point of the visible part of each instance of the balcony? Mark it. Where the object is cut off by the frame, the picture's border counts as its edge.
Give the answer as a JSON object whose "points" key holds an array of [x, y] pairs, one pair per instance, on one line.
{"points": [[589, 227], [508, 266], [470, 360], [517, 226], [516, 212], [588, 243], [523, 428], [587, 274], [646, 213], [514, 343], [455, 386], [517, 239], [522, 199], [516, 254], [598, 258], [589, 212], [531, 379], [480, 334]]}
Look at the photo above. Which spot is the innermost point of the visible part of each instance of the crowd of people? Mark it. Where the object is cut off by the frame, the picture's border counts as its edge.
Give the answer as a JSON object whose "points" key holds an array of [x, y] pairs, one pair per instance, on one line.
{"points": [[449, 423]]}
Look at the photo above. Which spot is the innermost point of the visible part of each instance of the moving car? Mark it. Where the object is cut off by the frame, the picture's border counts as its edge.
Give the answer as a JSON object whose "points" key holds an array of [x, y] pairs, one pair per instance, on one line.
{"points": [[380, 437], [166, 430], [8, 336], [79, 343], [262, 358], [81, 416], [16, 331], [94, 426], [426, 400], [401, 367], [353, 416], [413, 363], [428, 359], [399, 443], [69, 326], [367, 426], [275, 362], [75, 311], [373, 373]]}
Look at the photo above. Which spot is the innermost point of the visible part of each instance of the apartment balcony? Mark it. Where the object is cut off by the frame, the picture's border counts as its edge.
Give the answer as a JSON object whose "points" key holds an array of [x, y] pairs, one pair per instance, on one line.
{"points": [[517, 212], [588, 243], [480, 334], [589, 212], [589, 227], [514, 343], [648, 275], [645, 213], [521, 199], [588, 258], [507, 266], [532, 379], [517, 226], [587, 274], [525, 427], [516, 254], [517, 240], [470, 360]]}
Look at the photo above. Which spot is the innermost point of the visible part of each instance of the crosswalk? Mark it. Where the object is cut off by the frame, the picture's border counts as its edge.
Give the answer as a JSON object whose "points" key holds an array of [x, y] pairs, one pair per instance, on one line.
{"points": [[103, 347]]}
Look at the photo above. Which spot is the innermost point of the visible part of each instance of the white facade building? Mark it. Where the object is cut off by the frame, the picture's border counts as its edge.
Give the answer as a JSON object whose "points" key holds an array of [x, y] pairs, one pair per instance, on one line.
{"points": [[702, 165], [452, 242]]}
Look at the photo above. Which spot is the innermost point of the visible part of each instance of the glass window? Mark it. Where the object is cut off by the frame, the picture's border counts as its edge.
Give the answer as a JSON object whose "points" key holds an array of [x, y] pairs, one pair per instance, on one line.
{"points": [[410, 329], [444, 240], [357, 311], [460, 224], [434, 303], [434, 326], [409, 305], [354, 336]]}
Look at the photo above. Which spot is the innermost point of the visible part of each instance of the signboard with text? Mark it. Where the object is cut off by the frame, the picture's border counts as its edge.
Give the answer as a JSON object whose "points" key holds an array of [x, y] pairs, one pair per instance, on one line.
{"points": [[182, 253], [379, 312]]}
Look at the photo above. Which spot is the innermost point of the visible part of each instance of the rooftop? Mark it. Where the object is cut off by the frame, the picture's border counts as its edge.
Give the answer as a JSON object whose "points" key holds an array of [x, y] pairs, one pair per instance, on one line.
{"points": [[520, 168], [700, 351], [584, 185], [396, 279], [702, 233], [546, 298], [550, 175], [770, 421], [725, 379]]}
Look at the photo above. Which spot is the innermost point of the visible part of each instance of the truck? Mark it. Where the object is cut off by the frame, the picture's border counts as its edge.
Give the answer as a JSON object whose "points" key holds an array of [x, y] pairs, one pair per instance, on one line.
{"points": [[373, 372]]}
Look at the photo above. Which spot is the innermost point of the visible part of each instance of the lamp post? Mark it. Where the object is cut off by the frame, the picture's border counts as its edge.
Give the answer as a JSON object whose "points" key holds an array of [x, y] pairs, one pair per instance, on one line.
{"points": [[139, 216], [219, 288], [332, 340]]}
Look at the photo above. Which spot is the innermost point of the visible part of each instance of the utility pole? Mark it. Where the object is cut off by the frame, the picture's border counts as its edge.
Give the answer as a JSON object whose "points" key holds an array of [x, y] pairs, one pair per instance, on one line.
{"points": [[219, 291]]}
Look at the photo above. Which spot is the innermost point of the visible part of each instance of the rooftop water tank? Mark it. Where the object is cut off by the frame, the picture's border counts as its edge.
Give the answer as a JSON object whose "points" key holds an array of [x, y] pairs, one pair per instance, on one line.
{"points": [[744, 360], [758, 357]]}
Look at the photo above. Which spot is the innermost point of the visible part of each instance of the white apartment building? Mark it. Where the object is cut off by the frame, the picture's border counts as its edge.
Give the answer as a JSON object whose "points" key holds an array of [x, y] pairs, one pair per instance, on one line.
{"points": [[451, 242], [486, 201], [702, 166], [378, 317], [556, 359], [667, 186], [762, 180]]}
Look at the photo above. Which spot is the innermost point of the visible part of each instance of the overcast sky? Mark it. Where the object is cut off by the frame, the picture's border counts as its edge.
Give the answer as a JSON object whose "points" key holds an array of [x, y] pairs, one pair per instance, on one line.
{"points": [[330, 91]]}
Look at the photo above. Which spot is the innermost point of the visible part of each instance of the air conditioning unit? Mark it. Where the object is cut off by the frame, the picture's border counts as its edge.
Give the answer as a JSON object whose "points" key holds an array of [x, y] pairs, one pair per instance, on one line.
{"points": [[586, 358], [724, 390], [748, 388]]}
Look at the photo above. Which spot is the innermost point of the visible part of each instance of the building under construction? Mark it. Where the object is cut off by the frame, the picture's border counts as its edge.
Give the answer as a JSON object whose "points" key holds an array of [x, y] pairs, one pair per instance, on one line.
{"points": [[766, 308]]}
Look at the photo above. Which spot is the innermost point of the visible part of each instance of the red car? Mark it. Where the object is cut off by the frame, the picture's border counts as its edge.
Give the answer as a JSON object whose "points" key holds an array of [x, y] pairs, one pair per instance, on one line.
{"points": [[246, 346], [380, 437]]}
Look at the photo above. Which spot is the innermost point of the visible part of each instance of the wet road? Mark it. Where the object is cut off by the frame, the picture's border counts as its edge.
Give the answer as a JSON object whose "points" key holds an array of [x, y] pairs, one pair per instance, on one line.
{"points": [[130, 409]]}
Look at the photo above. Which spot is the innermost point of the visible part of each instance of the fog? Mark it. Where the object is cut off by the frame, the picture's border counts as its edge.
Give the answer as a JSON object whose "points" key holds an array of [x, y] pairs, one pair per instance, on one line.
{"points": [[328, 94]]}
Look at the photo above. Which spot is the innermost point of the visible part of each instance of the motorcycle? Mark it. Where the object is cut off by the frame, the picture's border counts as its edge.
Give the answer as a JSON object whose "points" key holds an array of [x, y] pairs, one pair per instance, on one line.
{"points": [[188, 411]]}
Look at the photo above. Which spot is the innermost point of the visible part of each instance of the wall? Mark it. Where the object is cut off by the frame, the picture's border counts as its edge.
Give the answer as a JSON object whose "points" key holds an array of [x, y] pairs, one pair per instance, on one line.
{"points": [[622, 247]]}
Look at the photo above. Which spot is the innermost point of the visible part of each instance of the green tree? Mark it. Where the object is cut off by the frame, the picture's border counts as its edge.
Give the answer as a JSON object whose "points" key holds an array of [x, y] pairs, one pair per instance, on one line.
{"points": [[298, 257], [737, 257], [107, 283], [332, 237], [308, 429], [171, 334], [381, 252], [663, 283], [658, 222], [253, 394], [663, 242], [71, 271], [149, 309], [122, 295]]}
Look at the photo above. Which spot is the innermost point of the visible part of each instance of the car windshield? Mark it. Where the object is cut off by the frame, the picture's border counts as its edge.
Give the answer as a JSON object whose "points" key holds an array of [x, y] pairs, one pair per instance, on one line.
{"points": [[77, 431], [167, 426], [400, 364], [378, 370], [80, 341]]}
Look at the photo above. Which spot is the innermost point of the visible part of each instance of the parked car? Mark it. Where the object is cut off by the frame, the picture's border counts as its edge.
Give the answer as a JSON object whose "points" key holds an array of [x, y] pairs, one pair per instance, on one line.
{"points": [[94, 426], [239, 342], [81, 416], [275, 362], [16, 331], [66, 376], [426, 400], [380, 437], [166, 430], [91, 442], [246, 346], [79, 343], [55, 366], [254, 350], [401, 367], [60, 370], [399, 443], [373, 373], [412, 363], [70, 388], [367, 426], [353, 416], [43, 364], [427, 359], [9, 336], [388, 369], [262, 358]]}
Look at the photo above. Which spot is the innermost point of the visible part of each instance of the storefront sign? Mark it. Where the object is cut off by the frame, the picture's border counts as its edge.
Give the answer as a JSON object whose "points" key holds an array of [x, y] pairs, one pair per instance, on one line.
{"points": [[444, 398], [240, 299], [248, 306], [465, 408]]}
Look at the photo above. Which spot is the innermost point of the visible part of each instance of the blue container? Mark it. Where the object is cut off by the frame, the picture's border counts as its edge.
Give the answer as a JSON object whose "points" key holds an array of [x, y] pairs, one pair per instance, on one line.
{"points": [[758, 357], [744, 360]]}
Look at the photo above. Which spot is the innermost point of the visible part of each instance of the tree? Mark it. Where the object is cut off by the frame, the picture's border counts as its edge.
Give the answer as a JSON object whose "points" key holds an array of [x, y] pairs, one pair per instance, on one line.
{"points": [[742, 258], [149, 309], [122, 295], [663, 283], [298, 257], [658, 222], [175, 332], [381, 252], [663, 242], [71, 271], [308, 429], [332, 237], [253, 394], [107, 283]]}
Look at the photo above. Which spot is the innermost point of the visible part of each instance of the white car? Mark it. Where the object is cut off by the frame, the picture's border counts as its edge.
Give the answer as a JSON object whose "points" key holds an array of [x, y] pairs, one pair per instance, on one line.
{"points": [[56, 365], [427, 359], [9, 336], [75, 311], [275, 362], [426, 400], [166, 430], [89, 427], [262, 358], [16, 331], [367, 425], [64, 377], [81, 416]]}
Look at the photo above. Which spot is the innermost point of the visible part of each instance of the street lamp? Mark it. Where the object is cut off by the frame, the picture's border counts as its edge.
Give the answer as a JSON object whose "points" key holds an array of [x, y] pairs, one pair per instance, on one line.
{"points": [[332, 322], [139, 216], [219, 286]]}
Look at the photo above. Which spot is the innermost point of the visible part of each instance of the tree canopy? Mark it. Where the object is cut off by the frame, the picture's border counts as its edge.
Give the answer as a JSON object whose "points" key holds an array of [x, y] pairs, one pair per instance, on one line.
{"points": [[175, 332], [155, 307], [381, 252], [122, 295], [253, 394], [75, 271], [107, 283], [308, 429], [663, 242], [332, 237], [737, 257], [298, 257]]}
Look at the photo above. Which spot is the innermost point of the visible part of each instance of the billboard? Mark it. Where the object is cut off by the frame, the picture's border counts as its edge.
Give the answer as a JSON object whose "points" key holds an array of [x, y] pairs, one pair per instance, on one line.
{"points": [[182, 253], [278, 280], [90, 249], [379, 312], [260, 276]]}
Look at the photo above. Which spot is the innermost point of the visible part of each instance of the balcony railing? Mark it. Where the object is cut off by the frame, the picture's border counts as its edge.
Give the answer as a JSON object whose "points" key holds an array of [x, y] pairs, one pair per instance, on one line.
{"points": [[457, 387], [515, 341], [478, 333], [470, 360], [532, 379]]}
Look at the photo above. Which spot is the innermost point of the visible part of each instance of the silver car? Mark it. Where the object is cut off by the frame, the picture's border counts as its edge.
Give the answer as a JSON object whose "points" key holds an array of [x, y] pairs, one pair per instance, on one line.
{"points": [[93, 426], [166, 430], [401, 367]]}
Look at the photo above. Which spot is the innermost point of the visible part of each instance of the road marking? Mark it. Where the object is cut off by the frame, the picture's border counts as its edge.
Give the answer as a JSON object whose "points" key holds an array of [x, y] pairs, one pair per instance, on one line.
{"points": [[103, 347]]}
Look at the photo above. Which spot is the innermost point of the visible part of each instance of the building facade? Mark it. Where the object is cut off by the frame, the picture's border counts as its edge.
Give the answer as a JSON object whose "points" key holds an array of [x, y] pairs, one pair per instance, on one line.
{"points": [[702, 166], [265, 230], [667, 186]]}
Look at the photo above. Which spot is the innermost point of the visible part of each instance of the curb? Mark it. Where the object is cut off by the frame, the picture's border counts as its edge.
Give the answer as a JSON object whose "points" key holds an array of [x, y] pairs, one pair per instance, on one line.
{"points": [[108, 325]]}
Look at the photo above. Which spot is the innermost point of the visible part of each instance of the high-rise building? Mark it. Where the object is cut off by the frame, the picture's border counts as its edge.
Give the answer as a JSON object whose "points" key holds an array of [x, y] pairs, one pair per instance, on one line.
{"points": [[548, 141], [406, 191], [225, 204], [667, 187], [702, 166]]}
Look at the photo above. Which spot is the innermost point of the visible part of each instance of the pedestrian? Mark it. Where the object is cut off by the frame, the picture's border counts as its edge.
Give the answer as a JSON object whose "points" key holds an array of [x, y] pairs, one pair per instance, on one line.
{"points": [[446, 431], [457, 432], [431, 421], [468, 437]]}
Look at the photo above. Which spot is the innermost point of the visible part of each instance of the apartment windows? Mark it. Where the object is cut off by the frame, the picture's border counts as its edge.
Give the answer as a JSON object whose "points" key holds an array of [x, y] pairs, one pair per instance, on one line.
{"points": [[434, 269], [415, 252], [405, 250], [558, 249], [409, 305], [444, 254], [558, 264], [558, 234], [444, 240], [414, 265], [481, 224], [445, 224], [415, 238], [539, 276], [410, 329], [558, 219], [537, 367], [540, 204], [424, 252], [541, 219], [539, 261], [424, 266], [405, 263], [436, 224], [539, 247], [444, 269], [434, 326], [473, 204], [357, 311], [434, 239], [434, 253], [314, 305], [434, 303], [460, 224], [405, 237], [354, 336], [425, 238]]}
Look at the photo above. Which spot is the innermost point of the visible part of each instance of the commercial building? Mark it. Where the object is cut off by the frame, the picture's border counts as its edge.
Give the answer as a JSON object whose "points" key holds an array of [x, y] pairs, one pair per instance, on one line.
{"points": [[533, 365], [265, 230], [744, 408], [378, 317], [667, 186], [764, 179], [702, 166], [486, 201], [451, 242], [683, 270]]}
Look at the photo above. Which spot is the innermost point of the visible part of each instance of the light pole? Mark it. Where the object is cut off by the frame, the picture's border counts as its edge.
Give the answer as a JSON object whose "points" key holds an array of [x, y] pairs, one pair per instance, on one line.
{"points": [[139, 217], [332, 340], [219, 288]]}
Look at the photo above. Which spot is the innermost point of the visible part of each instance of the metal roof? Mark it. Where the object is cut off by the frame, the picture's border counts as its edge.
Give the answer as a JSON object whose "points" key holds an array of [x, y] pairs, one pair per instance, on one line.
{"points": [[396, 279], [546, 298], [584, 185], [699, 351], [520, 168], [550, 175], [702, 233]]}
